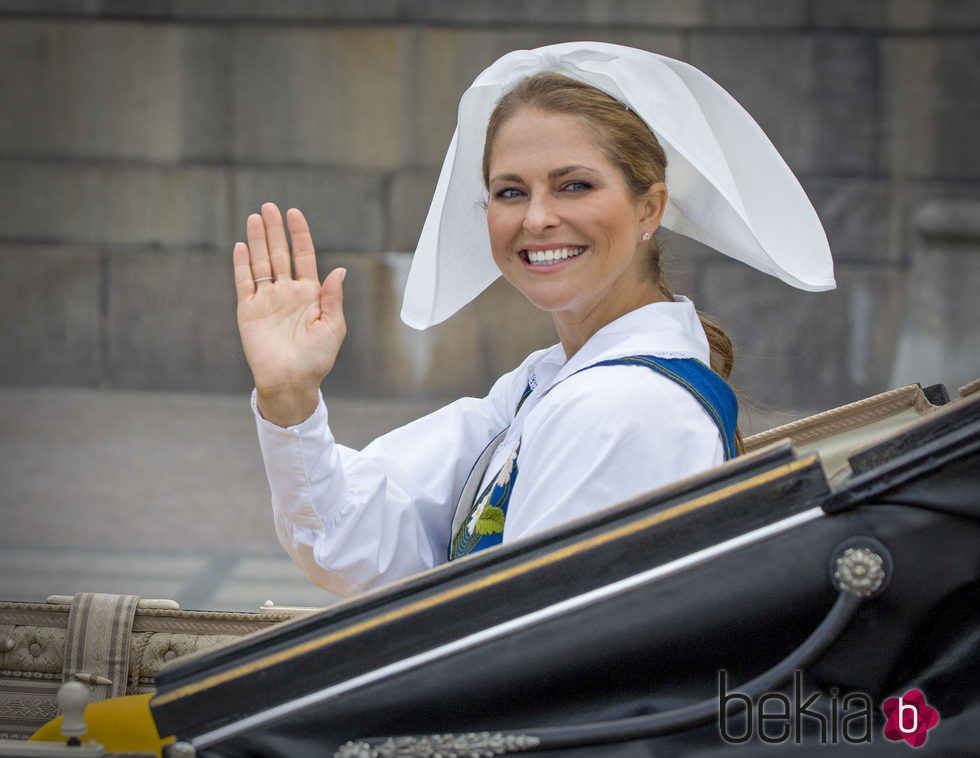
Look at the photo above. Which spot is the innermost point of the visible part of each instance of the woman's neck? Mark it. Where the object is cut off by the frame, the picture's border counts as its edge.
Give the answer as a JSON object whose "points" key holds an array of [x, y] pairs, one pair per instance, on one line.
{"points": [[575, 329]]}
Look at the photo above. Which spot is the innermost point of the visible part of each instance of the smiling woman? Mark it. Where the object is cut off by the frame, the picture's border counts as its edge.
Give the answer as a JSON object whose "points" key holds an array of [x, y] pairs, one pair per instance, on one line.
{"points": [[575, 142], [569, 235]]}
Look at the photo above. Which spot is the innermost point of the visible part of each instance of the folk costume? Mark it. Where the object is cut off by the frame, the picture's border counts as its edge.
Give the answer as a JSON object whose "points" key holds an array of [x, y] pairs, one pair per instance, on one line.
{"points": [[633, 409], [584, 436]]}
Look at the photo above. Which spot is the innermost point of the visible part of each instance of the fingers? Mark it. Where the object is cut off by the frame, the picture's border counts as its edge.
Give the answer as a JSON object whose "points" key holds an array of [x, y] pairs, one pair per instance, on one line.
{"points": [[304, 255], [275, 235], [267, 255], [244, 284], [258, 249]]}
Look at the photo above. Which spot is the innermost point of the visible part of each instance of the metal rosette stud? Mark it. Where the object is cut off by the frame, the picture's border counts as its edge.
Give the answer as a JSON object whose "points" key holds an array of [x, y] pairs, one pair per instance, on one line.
{"points": [[861, 566]]}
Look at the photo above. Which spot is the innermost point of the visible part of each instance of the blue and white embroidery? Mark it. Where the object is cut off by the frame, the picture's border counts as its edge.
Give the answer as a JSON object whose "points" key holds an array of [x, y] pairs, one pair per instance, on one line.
{"points": [[485, 524]]}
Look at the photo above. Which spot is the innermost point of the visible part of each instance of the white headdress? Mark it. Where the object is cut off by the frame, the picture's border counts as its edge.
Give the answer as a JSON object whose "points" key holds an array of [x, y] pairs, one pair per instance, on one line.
{"points": [[727, 185]]}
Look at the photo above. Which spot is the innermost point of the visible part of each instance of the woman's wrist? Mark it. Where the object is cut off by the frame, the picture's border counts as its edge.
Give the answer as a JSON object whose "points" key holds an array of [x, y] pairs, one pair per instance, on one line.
{"points": [[287, 406]]}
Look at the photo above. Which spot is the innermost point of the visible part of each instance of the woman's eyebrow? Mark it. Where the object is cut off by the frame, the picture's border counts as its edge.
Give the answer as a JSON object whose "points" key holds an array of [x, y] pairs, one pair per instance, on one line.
{"points": [[506, 178], [559, 172], [553, 174]]}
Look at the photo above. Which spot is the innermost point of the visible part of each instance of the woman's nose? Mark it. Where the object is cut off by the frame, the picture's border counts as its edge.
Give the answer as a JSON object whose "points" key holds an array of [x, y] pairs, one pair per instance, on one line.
{"points": [[540, 214]]}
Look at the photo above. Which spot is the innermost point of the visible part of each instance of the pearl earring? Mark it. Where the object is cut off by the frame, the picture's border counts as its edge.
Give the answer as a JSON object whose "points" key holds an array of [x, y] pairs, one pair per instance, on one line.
{"points": [[646, 236]]}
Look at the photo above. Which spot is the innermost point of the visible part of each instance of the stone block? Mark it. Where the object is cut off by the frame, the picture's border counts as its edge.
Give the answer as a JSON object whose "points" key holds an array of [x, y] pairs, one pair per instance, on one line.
{"points": [[206, 129], [49, 315], [164, 205], [34, 8], [99, 89], [801, 352], [759, 14], [768, 76], [857, 214], [839, 126], [671, 43], [171, 323], [591, 14], [52, 202], [515, 13], [320, 95], [439, 71], [113, 203], [344, 207], [149, 9], [289, 10], [898, 15], [409, 197], [813, 97], [930, 108]]}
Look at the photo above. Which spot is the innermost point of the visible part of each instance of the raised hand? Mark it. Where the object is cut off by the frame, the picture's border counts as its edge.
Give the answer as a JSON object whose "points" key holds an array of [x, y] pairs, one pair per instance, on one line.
{"points": [[291, 325]]}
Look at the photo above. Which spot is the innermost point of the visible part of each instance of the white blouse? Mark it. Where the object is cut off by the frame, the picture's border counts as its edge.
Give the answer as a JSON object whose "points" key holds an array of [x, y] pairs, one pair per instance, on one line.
{"points": [[354, 520]]}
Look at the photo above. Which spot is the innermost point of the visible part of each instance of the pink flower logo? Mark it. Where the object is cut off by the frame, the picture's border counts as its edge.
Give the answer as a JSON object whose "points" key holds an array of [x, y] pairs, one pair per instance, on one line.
{"points": [[909, 718]]}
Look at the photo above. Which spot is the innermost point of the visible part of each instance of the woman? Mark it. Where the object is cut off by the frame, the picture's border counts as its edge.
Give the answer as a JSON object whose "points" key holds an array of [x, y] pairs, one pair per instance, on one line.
{"points": [[574, 141]]}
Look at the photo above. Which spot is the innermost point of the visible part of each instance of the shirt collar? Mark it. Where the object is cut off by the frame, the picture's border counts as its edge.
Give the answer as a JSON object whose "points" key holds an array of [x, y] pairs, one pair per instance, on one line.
{"points": [[665, 329]]}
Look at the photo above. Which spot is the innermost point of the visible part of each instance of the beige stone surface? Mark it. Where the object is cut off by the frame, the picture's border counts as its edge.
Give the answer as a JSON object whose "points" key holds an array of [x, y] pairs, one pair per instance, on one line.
{"points": [[320, 95], [928, 95], [136, 137], [49, 315], [109, 90]]}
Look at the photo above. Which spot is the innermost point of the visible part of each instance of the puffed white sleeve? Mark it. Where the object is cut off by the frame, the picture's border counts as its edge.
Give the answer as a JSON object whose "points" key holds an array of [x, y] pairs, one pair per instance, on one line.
{"points": [[602, 437], [354, 520]]}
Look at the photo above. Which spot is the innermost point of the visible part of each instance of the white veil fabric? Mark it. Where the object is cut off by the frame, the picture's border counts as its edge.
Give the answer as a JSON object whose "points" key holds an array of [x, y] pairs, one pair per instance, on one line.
{"points": [[727, 185]]}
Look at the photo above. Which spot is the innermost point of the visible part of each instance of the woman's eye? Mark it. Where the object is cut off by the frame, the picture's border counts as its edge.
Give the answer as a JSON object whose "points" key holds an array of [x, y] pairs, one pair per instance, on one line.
{"points": [[507, 193], [580, 186]]}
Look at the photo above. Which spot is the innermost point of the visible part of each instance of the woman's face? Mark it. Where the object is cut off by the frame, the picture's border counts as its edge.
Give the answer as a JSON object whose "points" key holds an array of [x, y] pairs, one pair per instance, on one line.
{"points": [[564, 226]]}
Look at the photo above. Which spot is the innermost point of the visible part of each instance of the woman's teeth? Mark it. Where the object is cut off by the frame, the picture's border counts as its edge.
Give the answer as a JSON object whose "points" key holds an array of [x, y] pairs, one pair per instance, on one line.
{"points": [[544, 257]]}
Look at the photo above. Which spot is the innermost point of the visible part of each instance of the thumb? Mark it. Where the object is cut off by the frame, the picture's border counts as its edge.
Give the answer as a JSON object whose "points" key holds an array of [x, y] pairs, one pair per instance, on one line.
{"points": [[332, 293]]}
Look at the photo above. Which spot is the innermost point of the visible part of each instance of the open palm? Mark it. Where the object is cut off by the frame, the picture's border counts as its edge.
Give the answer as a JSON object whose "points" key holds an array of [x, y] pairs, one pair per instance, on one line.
{"points": [[291, 325]]}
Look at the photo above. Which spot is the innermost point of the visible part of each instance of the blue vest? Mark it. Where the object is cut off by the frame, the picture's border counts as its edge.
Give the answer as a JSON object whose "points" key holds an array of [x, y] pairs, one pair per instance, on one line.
{"points": [[482, 525]]}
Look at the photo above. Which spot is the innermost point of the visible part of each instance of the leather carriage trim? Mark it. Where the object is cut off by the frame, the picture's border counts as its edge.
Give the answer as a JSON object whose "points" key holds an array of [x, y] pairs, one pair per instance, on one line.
{"points": [[260, 664], [481, 636]]}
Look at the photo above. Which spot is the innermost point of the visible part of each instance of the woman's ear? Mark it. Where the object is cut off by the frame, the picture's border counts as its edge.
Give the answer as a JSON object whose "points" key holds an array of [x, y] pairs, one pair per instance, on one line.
{"points": [[652, 205]]}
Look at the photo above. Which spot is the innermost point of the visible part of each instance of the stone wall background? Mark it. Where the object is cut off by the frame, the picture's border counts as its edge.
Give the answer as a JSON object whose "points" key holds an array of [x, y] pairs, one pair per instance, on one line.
{"points": [[136, 135]]}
